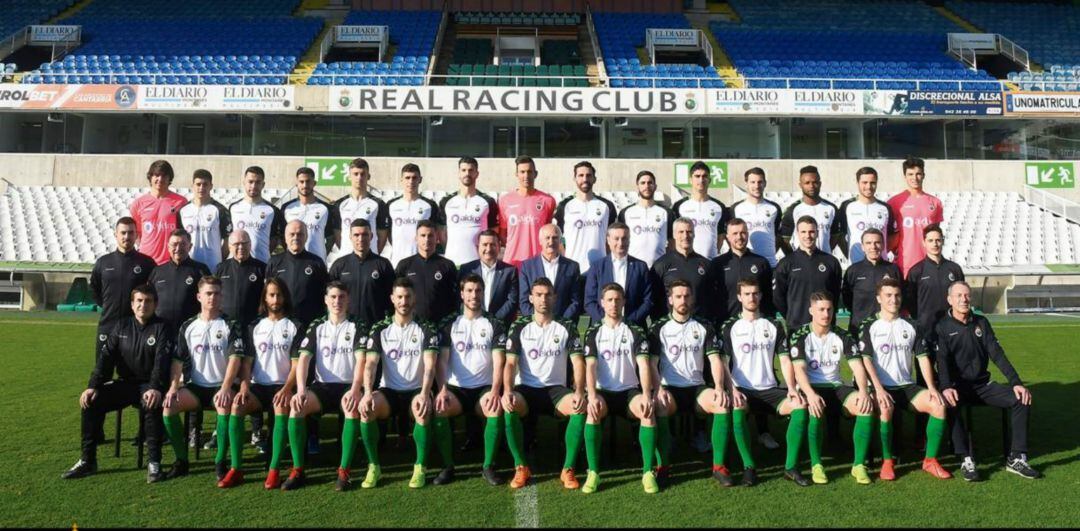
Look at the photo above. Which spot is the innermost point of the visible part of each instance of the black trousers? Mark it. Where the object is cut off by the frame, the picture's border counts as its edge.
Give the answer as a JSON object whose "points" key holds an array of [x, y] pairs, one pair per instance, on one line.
{"points": [[119, 395], [993, 395]]}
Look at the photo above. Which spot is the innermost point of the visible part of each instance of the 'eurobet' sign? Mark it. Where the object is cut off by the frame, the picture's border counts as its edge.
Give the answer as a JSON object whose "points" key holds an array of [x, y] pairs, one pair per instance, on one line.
{"points": [[718, 174], [1050, 175]]}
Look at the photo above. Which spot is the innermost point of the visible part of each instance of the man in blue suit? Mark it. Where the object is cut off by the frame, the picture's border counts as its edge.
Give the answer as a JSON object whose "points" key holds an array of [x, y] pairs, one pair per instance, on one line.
{"points": [[500, 278], [563, 272], [625, 270]]}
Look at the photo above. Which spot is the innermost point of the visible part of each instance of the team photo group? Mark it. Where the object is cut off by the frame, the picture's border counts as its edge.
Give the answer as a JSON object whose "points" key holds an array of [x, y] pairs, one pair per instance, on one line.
{"points": [[371, 310]]}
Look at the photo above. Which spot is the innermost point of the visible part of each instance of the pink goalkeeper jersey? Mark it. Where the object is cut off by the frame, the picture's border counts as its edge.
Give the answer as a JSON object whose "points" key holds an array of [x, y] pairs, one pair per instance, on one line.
{"points": [[155, 219], [911, 214], [520, 219]]}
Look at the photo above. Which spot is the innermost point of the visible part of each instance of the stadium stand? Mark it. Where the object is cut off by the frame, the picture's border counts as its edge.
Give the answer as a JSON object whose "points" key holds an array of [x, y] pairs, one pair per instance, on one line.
{"points": [[195, 42], [620, 34], [412, 32], [17, 14], [517, 19], [805, 44]]}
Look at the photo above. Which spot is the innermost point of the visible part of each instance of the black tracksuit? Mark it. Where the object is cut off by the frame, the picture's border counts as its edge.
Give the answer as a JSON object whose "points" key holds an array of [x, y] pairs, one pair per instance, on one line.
{"points": [[926, 292], [799, 275], [727, 270], [370, 282], [111, 281], [305, 275], [176, 286], [241, 288], [694, 269], [859, 290], [435, 285]]}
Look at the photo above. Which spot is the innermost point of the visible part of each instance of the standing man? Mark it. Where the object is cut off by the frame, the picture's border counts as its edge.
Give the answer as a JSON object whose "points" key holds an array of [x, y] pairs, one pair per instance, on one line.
{"points": [[242, 278], [862, 213], [406, 210], [138, 348], [263, 221], [207, 221], [303, 272], [761, 215], [811, 204], [682, 263], [803, 272], [927, 288], [736, 264], [360, 204], [500, 278], [649, 221], [176, 281], [860, 286], [708, 214], [155, 212], [631, 274], [318, 215], [465, 214], [913, 212], [433, 276], [521, 214], [114, 276], [563, 273], [584, 218], [966, 345], [368, 276]]}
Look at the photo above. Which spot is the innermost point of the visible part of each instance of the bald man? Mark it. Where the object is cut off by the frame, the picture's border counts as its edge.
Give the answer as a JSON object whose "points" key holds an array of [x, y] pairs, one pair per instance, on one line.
{"points": [[303, 272], [242, 278], [564, 274]]}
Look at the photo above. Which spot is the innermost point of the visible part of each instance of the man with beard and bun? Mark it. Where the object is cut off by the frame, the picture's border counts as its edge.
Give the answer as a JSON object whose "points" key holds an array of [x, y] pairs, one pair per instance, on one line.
{"points": [[406, 211], [208, 222], [708, 214], [368, 276], [648, 220], [114, 276], [522, 212], [762, 217], [242, 278], [860, 286], [303, 272], [176, 281], [360, 204], [262, 220], [319, 217], [584, 218], [862, 213], [801, 273], [823, 212], [433, 276], [682, 263], [155, 212], [465, 214], [736, 264]]}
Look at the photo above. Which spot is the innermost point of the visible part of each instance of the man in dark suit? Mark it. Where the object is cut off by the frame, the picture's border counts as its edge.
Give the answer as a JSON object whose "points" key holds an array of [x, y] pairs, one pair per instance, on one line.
{"points": [[625, 270], [563, 272], [500, 278]]}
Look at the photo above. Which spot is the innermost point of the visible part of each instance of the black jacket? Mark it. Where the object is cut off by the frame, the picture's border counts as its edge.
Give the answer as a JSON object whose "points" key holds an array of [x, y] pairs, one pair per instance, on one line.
{"points": [[926, 292], [504, 294], [241, 288], [305, 275], [137, 353], [964, 350], [797, 276], [176, 286], [112, 279], [435, 285], [369, 282], [859, 290], [727, 270], [694, 269]]}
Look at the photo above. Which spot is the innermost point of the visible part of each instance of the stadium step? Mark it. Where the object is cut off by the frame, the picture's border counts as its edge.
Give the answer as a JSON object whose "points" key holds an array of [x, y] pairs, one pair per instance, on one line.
{"points": [[307, 63], [722, 62], [720, 7], [963, 23], [588, 54], [69, 12]]}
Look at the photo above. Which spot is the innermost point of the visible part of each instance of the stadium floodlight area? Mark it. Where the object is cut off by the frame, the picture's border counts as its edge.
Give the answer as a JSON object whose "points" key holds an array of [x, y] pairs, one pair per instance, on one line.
{"points": [[412, 32]]}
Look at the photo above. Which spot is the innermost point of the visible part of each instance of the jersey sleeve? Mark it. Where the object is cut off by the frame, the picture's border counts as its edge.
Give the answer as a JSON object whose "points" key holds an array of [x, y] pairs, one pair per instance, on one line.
{"points": [[360, 339], [445, 329], [726, 350], [499, 333], [621, 217], [374, 339], [249, 340], [224, 221], [513, 340], [851, 349], [590, 342], [781, 345], [835, 227], [612, 213], [866, 346], [436, 212], [182, 352], [797, 346], [713, 342], [431, 338], [787, 221], [674, 215], [277, 227], [560, 213], [919, 347], [656, 347], [574, 346], [439, 214], [642, 348], [236, 340], [309, 343], [382, 216]]}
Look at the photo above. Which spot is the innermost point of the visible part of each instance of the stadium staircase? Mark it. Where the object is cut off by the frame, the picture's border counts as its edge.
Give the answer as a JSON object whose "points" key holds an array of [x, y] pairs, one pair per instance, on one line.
{"points": [[721, 61], [958, 20], [310, 60], [69, 12]]}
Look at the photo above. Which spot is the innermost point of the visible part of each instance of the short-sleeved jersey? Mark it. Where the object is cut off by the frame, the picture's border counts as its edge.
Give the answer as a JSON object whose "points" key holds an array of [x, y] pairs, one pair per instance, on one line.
{"points": [[320, 218], [542, 352], [710, 218], [822, 355], [401, 352], [911, 215], [682, 349], [334, 347], [616, 351], [465, 217], [262, 221], [584, 226], [204, 347], [271, 345], [855, 218], [155, 219], [368, 208], [749, 348], [827, 219], [520, 219], [471, 343], [893, 347], [763, 223], [209, 226], [404, 216], [648, 231]]}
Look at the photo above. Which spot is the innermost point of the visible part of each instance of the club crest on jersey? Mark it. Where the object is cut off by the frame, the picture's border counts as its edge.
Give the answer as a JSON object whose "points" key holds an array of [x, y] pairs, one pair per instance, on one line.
{"points": [[476, 209], [102, 337], [862, 345], [308, 270], [189, 281], [835, 350], [262, 215], [318, 216], [304, 343], [904, 334], [932, 207], [828, 215], [794, 352], [951, 278], [753, 269], [821, 267], [252, 277], [483, 333], [765, 334], [539, 207], [555, 340], [285, 334], [415, 338], [701, 270], [978, 331], [137, 270], [151, 341], [348, 337], [375, 275], [219, 334], [880, 215], [367, 211], [697, 335], [886, 275], [623, 340], [438, 275]]}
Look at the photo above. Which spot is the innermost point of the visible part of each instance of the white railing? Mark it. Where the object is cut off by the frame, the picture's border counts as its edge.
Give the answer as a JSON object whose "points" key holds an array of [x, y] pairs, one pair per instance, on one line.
{"points": [[597, 53], [14, 41], [443, 21], [1052, 203], [1013, 51]]}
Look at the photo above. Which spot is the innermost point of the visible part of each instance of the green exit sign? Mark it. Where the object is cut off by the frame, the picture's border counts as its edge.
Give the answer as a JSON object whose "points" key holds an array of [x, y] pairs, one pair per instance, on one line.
{"points": [[718, 174], [1050, 174], [330, 171]]}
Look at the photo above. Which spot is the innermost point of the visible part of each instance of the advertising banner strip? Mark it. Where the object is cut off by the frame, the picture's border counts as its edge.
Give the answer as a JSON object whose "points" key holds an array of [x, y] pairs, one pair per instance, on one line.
{"points": [[68, 97], [1043, 103], [217, 98]]}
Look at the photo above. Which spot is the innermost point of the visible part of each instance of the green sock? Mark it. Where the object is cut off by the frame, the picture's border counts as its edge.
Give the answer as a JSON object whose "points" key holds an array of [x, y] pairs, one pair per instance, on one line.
{"points": [[935, 427], [444, 441], [281, 425], [663, 441], [175, 430], [885, 432], [593, 433], [348, 442], [491, 440], [795, 431], [742, 439], [420, 437], [814, 434], [222, 437], [236, 440], [720, 427], [647, 438], [514, 438], [575, 428], [298, 440], [864, 426], [369, 432]]}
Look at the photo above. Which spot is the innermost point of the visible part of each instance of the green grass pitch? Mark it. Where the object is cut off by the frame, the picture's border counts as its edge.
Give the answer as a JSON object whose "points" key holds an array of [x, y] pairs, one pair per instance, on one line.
{"points": [[46, 361]]}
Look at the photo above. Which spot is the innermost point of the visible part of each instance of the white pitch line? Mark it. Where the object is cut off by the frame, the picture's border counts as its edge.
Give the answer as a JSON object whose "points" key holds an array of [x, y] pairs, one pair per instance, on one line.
{"points": [[526, 513], [1064, 315]]}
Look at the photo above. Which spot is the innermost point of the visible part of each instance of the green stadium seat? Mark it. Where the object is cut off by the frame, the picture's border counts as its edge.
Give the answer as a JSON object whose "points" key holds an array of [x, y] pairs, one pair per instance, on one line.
{"points": [[505, 70]]}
